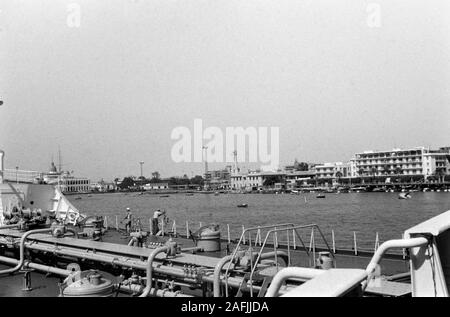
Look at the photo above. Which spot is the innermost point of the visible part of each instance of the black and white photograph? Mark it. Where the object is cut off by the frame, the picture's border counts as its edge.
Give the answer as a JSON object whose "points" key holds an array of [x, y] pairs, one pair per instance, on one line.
{"points": [[224, 153]]}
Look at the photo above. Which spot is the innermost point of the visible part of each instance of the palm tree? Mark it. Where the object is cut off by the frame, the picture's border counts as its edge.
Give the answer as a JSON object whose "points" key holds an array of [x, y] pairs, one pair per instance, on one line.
{"points": [[155, 175], [440, 173], [398, 171], [361, 174], [374, 171], [338, 176]]}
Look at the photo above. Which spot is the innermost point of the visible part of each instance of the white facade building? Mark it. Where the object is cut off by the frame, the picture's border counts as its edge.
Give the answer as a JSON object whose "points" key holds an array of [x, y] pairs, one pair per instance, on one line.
{"points": [[75, 185], [155, 186], [254, 180], [333, 170], [415, 161], [294, 178]]}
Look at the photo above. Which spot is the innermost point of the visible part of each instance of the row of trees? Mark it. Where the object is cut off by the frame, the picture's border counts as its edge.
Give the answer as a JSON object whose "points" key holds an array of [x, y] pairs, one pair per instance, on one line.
{"points": [[130, 182], [300, 166]]}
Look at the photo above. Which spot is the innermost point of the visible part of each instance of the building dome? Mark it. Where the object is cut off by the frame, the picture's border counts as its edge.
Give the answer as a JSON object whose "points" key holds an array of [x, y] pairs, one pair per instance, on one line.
{"points": [[53, 168]]}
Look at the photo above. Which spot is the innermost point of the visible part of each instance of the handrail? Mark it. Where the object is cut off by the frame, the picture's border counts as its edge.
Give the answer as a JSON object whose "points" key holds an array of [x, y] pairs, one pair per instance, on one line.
{"points": [[219, 267], [398, 243], [241, 239], [290, 272], [253, 229], [217, 270], [274, 231]]}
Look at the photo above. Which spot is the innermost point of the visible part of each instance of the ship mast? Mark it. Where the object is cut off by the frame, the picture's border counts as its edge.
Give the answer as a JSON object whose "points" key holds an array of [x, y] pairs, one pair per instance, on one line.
{"points": [[59, 160], [206, 166]]}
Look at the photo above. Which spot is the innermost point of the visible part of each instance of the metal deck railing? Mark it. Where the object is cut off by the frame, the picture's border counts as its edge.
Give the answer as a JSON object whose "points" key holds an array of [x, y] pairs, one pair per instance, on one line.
{"points": [[351, 245]]}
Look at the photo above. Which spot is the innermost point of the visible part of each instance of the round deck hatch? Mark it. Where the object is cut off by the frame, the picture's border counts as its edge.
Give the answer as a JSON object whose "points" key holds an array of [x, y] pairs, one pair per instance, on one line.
{"points": [[90, 284], [208, 238]]}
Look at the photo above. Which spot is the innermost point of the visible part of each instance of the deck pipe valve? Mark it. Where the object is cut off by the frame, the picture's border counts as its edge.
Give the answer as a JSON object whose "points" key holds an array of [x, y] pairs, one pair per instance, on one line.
{"points": [[22, 225], [58, 230], [172, 248], [244, 259]]}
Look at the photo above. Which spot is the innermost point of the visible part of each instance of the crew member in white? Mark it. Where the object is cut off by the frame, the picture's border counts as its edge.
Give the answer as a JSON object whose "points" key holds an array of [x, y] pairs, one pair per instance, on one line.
{"points": [[128, 220], [155, 221]]}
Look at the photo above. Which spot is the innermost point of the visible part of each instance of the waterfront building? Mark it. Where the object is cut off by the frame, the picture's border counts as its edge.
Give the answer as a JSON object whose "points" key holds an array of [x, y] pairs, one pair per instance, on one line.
{"points": [[241, 180], [418, 161], [296, 179], [70, 184], [353, 171], [103, 186], [258, 180], [332, 170], [155, 186], [219, 179], [67, 182]]}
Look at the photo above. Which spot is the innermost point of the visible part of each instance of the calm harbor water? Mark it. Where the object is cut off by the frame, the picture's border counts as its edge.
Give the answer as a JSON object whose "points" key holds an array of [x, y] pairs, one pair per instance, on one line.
{"points": [[363, 213]]}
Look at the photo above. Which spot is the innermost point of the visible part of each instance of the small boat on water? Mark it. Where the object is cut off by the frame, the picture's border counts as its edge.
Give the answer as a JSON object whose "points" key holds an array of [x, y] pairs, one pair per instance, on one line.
{"points": [[405, 195], [77, 198], [320, 196], [216, 194], [242, 205], [359, 189], [189, 194], [162, 196]]}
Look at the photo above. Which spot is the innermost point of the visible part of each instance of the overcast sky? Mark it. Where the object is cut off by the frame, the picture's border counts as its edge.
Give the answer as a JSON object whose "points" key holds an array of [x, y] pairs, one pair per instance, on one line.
{"points": [[110, 91]]}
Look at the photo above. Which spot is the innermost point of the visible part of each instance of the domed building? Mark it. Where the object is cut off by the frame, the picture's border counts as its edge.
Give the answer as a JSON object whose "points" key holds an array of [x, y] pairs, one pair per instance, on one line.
{"points": [[67, 182], [52, 176]]}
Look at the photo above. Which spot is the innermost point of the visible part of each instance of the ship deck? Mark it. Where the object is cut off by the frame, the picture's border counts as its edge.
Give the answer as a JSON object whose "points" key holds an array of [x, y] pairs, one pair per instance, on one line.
{"points": [[115, 243]]}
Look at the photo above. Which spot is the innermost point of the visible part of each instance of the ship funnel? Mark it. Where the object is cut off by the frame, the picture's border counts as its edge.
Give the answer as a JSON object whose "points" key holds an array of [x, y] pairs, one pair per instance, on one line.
{"points": [[2, 156]]}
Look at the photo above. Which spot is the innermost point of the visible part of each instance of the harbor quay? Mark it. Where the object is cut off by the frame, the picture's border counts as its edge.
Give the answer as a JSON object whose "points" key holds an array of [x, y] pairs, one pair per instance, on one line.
{"points": [[416, 168]]}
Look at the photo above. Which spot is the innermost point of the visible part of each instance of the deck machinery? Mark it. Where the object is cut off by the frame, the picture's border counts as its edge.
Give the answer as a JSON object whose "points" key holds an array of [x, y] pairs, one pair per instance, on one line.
{"points": [[41, 232]]}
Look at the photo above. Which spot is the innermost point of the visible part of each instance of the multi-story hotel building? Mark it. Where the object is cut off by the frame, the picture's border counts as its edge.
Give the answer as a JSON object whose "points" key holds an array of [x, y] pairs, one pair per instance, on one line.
{"points": [[415, 161]]}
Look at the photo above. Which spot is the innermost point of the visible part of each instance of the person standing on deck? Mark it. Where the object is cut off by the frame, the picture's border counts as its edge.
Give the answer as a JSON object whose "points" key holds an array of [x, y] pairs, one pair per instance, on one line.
{"points": [[155, 221], [128, 220]]}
